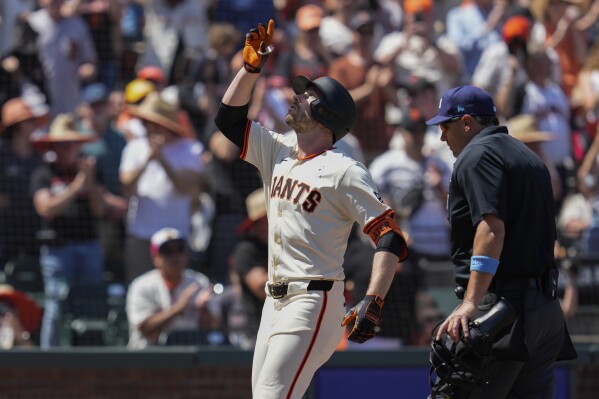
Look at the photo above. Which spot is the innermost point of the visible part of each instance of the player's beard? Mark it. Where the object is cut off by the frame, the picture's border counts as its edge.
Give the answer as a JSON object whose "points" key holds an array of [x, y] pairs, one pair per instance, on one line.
{"points": [[301, 122]]}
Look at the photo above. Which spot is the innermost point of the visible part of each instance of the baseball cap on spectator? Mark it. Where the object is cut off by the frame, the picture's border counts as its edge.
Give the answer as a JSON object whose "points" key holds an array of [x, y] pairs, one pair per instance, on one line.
{"points": [[524, 127], [416, 6], [463, 100], [308, 17], [17, 110], [362, 21], [256, 208], [153, 74], [164, 236], [137, 90], [95, 93], [517, 26], [29, 313], [413, 121]]}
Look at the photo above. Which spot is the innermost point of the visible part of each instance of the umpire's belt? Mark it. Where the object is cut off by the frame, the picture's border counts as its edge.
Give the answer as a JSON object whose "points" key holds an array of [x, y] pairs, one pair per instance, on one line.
{"points": [[280, 289], [516, 284], [506, 286]]}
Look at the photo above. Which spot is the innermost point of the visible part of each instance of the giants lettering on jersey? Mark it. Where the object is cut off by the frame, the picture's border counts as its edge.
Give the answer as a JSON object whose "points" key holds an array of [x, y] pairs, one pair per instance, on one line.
{"points": [[293, 190]]}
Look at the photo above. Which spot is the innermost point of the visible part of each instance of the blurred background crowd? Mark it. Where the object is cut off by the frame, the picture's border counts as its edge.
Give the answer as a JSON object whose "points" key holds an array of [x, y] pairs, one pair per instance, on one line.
{"points": [[126, 217]]}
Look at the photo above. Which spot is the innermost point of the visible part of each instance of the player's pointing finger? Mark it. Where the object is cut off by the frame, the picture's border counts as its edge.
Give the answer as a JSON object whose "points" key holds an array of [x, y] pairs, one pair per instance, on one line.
{"points": [[271, 28]]}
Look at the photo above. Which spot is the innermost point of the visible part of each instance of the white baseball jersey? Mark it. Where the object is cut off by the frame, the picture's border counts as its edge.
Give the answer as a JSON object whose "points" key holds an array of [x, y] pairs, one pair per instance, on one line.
{"points": [[312, 204], [148, 294]]}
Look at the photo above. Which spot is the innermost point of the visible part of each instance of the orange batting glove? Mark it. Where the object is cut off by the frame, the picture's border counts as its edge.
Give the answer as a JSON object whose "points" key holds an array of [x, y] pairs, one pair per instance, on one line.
{"points": [[257, 47]]}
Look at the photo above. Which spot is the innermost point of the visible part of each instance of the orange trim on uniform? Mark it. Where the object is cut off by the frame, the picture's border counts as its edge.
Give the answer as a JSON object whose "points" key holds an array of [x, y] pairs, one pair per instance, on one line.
{"points": [[314, 155], [246, 137], [382, 224], [372, 227], [311, 346]]}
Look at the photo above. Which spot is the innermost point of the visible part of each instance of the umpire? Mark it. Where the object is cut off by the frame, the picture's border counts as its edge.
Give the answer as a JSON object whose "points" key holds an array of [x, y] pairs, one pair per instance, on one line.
{"points": [[503, 232]]}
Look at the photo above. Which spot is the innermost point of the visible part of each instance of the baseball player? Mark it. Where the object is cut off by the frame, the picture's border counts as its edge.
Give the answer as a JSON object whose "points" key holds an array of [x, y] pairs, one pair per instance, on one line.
{"points": [[314, 194]]}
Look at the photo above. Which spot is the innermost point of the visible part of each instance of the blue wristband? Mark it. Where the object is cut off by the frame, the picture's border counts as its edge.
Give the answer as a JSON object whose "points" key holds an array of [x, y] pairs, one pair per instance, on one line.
{"points": [[484, 264]]}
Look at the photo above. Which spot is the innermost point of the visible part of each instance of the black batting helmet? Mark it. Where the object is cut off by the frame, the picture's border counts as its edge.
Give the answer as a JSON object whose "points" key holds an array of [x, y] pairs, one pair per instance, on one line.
{"points": [[335, 110]]}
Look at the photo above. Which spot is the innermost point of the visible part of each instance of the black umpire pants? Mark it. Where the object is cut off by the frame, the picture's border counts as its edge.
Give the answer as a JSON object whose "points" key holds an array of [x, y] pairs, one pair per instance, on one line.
{"points": [[545, 334]]}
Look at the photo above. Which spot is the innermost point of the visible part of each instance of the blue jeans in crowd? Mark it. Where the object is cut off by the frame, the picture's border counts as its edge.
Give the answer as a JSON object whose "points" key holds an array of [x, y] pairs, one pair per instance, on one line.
{"points": [[63, 266]]}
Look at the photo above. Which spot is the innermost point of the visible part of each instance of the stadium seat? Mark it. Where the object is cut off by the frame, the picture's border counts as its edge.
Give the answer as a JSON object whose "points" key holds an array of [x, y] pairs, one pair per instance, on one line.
{"points": [[85, 315], [185, 337]]}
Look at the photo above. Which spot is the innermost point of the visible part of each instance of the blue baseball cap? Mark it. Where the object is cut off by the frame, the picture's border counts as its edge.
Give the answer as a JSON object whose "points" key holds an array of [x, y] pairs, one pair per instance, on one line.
{"points": [[95, 93], [463, 100]]}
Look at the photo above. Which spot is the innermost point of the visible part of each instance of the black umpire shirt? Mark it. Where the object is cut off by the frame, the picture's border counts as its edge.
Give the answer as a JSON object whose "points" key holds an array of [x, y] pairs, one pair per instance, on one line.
{"points": [[497, 174]]}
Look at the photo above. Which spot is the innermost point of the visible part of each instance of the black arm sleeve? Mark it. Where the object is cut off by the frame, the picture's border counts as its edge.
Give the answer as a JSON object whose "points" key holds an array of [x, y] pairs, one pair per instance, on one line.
{"points": [[232, 121], [391, 242]]}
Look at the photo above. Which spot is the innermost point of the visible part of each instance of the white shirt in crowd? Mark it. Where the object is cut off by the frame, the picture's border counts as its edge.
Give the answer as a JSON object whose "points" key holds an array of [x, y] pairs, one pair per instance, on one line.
{"points": [[157, 203], [148, 294]]}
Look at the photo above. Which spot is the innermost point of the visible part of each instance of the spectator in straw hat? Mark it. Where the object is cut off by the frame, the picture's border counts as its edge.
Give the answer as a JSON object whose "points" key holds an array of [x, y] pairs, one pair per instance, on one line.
{"points": [[69, 197], [18, 160], [155, 75], [524, 127], [161, 174], [575, 214], [20, 318]]}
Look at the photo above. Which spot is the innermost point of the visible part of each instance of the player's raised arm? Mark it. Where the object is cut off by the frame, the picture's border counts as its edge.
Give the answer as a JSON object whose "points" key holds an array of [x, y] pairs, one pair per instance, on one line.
{"points": [[255, 53], [231, 117]]}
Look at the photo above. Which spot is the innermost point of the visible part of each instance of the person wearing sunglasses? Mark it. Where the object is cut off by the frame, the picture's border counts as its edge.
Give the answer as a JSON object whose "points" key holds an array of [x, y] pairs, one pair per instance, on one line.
{"points": [[171, 298], [501, 212]]}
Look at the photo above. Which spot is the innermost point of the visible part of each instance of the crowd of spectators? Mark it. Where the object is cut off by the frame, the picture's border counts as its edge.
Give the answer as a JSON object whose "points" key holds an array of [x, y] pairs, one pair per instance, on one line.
{"points": [[107, 139]]}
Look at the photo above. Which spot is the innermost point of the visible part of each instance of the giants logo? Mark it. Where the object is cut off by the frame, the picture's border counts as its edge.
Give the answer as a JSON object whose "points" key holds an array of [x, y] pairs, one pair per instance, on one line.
{"points": [[292, 190]]}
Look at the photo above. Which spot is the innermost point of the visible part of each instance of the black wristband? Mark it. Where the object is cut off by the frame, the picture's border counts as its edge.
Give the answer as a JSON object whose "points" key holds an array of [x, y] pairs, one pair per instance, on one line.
{"points": [[391, 242], [251, 69], [263, 58]]}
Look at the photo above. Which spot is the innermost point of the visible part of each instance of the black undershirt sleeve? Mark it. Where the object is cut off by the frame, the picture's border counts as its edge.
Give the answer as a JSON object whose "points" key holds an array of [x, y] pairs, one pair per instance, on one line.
{"points": [[232, 121]]}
